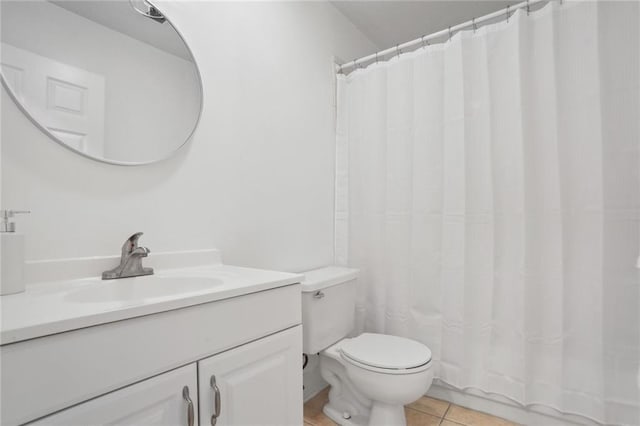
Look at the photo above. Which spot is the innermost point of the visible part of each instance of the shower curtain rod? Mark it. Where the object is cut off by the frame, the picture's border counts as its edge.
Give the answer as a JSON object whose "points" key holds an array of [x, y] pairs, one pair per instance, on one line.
{"points": [[440, 34]]}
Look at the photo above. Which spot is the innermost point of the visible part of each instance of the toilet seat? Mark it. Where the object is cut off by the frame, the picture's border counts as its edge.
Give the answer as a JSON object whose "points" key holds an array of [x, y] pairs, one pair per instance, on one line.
{"points": [[386, 354]]}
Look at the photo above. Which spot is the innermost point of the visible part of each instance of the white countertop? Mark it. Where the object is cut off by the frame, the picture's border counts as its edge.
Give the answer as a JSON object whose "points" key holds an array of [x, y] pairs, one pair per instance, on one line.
{"points": [[55, 307]]}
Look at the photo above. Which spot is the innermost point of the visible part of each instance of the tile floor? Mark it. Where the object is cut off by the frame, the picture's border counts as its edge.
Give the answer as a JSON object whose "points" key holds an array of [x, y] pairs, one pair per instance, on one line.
{"points": [[424, 412]]}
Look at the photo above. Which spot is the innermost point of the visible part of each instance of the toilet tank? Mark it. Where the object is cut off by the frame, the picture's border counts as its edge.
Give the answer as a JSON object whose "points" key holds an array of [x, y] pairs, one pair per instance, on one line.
{"points": [[328, 306]]}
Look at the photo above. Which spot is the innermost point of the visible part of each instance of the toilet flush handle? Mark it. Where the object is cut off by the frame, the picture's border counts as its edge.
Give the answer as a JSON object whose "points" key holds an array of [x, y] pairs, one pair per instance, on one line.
{"points": [[318, 294]]}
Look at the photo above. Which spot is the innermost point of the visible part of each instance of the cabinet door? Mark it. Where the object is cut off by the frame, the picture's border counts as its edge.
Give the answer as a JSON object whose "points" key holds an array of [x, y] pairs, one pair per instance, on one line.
{"points": [[160, 400], [259, 383]]}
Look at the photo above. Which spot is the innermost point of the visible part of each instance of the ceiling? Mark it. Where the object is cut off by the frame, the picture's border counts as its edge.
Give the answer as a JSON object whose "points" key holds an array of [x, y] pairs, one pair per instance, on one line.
{"points": [[389, 23], [119, 16], [385, 22]]}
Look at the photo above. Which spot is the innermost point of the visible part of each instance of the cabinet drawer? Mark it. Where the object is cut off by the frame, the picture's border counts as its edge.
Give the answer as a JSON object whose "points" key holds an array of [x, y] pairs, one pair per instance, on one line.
{"points": [[45, 375]]}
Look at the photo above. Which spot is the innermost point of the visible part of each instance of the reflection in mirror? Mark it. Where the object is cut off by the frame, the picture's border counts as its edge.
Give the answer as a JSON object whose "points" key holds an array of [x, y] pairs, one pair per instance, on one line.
{"points": [[112, 80]]}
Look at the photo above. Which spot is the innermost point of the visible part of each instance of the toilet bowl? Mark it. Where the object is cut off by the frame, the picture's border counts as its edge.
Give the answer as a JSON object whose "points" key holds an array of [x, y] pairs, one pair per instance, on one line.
{"points": [[382, 373], [372, 376]]}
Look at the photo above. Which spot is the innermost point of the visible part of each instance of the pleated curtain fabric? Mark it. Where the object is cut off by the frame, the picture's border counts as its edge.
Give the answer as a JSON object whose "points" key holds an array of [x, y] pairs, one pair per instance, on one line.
{"points": [[489, 190]]}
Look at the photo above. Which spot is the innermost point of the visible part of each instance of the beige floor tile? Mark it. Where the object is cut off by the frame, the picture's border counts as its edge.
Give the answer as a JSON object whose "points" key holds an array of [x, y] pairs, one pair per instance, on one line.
{"points": [[449, 423], [424, 412], [418, 418], [432, 406], [313, 407], [322, 421], [313, 410], [469, 417]]}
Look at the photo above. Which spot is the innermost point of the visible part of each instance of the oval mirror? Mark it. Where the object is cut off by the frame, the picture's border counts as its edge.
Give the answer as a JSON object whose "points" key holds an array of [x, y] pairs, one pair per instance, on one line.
{"points": [[111, 80]]}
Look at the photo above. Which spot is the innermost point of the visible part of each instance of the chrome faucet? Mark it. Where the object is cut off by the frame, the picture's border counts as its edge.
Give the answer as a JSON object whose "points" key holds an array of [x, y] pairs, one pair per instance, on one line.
{"points": [[130, 261]]}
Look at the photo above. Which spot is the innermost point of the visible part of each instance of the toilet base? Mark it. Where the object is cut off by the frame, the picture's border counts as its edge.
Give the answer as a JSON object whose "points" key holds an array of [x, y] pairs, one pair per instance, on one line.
{"points": [[339, 418], [380, 415], [387, 415], [346, 406]]}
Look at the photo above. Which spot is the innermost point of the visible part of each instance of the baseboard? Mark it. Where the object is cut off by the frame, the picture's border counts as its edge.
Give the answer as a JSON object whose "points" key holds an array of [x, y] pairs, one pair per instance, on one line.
{"points": [[502, 407]]}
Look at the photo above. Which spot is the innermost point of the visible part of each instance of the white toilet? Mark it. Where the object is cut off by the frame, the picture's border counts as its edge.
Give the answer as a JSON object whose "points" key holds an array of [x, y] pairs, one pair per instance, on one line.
{"points": [[372, 376]]}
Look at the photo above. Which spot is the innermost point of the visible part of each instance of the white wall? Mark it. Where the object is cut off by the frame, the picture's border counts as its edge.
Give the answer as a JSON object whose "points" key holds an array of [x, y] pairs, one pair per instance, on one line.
{"points": [[257, 179]]}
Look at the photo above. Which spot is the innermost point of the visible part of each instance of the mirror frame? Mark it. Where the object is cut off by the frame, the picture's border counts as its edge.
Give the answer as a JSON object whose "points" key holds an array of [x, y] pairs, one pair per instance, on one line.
{"points": [[46, 131]]}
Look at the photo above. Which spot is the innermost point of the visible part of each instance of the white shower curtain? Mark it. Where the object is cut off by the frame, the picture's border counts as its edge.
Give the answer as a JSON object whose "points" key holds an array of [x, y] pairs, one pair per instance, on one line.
{"points": [[489, 190]]}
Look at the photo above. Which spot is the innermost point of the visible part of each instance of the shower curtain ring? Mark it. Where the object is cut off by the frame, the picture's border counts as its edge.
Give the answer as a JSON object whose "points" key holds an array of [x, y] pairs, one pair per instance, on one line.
{"points": [[507, 14], [528, 9], [398, 51], [449, 32], [423, 43], [473, 23]]}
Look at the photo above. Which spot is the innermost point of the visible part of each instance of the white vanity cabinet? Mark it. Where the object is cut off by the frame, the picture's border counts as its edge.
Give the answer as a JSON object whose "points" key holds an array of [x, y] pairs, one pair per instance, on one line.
{"points": [[133, 371], [255, 384], [158, 401]]}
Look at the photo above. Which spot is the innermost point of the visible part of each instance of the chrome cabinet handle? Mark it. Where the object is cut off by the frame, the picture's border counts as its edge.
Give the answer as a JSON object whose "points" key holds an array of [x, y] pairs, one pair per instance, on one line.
{"points": [[216, 401], [190, 414]]}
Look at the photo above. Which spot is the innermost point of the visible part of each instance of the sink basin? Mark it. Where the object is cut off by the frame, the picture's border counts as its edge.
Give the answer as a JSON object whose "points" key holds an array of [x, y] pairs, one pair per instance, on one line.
{"points": [[139, 289]]}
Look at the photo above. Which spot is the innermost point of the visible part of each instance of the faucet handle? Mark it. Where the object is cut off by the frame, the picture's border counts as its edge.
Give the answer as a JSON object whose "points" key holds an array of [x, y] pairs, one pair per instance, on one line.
{"points": [[131, 243], [134, 238]]}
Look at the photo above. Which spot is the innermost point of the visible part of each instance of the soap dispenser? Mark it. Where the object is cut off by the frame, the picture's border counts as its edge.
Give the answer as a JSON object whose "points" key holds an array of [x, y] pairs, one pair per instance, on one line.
{"points": [[11, 254]]}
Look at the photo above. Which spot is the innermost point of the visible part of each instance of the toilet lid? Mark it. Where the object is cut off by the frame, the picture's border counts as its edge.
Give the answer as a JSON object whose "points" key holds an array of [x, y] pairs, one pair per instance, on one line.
{"points": [[384, 351]]}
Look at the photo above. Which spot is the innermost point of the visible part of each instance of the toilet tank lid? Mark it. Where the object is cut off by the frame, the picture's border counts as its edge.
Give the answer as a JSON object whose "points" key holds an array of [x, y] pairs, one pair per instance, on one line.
{"points": [[326, 277]]}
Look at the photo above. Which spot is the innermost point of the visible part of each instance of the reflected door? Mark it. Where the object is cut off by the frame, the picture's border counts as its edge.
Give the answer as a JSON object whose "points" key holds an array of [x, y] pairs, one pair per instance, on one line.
{"points": [[67, 100]]}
